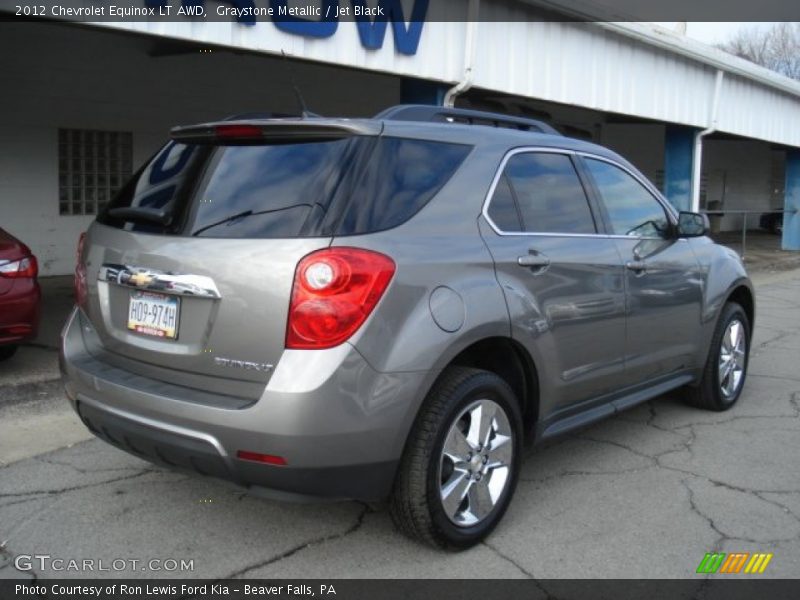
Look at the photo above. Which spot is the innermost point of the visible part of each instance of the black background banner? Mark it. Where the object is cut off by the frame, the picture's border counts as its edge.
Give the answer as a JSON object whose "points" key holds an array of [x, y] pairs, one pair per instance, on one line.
{"points": [[731, 588], [406, 10]]}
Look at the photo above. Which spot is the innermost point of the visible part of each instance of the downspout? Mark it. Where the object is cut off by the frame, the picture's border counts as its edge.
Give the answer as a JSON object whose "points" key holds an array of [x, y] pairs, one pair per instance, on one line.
{"points": [[697, 163], [469, 56]]}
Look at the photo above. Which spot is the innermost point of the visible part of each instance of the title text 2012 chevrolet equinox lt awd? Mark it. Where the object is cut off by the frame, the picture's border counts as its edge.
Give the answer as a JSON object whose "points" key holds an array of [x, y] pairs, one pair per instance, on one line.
{"points": [[391, 307]]}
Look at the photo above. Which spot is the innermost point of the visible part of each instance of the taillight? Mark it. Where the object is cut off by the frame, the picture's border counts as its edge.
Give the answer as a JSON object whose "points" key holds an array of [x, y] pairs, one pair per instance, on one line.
{"points": [[79, 283], [334, 292], [17, 269]]}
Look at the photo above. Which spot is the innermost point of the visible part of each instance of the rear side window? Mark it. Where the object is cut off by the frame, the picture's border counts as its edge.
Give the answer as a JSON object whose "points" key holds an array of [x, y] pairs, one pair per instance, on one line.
{"points": [[548, 194], [503, 208], [400, 178], [314, 188]]}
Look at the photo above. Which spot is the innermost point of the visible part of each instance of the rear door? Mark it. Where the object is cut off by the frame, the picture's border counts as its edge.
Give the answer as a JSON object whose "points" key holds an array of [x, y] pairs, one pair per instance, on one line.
{"points": [[203, 298], [663, 278], [562, 278]]}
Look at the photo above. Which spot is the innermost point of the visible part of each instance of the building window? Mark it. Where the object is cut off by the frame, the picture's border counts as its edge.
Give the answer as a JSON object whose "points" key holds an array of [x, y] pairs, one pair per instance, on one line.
{"points": [[92, 166]]}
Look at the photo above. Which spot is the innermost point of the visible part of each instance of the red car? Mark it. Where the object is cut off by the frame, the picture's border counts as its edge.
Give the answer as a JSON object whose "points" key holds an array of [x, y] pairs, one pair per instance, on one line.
{"points": [[20, 296]]}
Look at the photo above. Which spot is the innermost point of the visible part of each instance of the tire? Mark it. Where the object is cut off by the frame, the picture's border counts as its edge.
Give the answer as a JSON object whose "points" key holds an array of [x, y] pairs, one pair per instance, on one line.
{"points": [[459, 398], [717, 392], [7, 352]]}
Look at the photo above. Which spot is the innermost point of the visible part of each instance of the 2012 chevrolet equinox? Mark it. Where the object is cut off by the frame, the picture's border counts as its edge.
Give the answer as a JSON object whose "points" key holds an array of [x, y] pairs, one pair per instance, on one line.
{"points": [[391, 307]]}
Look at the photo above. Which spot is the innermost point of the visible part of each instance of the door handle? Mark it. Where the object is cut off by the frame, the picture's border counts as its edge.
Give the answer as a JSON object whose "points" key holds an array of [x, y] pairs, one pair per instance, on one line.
{"points": [[533, 261], [637, 266]]}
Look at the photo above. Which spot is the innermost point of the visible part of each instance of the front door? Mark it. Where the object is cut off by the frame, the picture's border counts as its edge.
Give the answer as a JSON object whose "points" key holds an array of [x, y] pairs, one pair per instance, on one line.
{"points": [[663, 279]]}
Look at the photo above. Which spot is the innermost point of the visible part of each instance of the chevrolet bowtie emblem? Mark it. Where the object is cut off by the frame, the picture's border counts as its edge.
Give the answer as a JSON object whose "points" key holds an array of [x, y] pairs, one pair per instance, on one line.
{"points": [[141, 279]]}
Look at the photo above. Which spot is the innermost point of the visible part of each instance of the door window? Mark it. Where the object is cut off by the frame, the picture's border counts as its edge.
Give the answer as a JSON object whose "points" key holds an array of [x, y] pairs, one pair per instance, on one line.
{"points": [[631, 208], [548, 195]]}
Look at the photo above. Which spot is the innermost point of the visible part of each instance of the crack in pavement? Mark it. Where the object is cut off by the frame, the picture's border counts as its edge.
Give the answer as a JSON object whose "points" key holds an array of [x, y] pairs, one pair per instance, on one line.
{"points": [[6, 554], [723, 536], [548, 595], [50, 461], [23, 501], [693, 506], [300, 547], [510, 560], [689, 437], [577, 473], [78, 487]]}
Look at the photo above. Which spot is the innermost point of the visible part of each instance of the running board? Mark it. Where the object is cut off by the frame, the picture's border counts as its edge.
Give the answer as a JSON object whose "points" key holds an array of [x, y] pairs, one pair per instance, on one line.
{"points": [[560, 425]]}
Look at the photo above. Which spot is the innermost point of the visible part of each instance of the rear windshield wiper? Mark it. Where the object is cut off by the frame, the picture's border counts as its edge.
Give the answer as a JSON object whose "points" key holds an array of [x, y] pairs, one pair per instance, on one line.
{"points": [[244, 214], [141, 213]]}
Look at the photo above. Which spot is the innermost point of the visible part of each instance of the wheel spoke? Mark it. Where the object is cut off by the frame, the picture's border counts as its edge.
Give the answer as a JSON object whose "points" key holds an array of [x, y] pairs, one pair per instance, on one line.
{"points": [[729, 385], [454, 491], [723, 371], [480, 426], [456, 447], [480, 500], [726, 343], [736, 333], [500, 452]]}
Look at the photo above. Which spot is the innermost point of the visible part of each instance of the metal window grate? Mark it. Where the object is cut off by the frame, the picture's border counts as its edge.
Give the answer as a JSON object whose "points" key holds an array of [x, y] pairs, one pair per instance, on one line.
{"points": [[92, 166]]}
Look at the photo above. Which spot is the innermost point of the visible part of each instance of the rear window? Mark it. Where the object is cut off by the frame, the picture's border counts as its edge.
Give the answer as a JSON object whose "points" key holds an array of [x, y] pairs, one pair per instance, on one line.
{"points": [[346, 186]]}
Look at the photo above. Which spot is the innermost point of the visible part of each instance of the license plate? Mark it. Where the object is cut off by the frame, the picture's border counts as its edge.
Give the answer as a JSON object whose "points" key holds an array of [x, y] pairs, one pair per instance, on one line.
{"points": [[153, 314]]}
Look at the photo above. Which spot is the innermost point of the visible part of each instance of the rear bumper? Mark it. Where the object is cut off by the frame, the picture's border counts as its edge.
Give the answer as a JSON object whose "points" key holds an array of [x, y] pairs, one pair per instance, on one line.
{"points": [[19, 312], [339, 424], [203, 456]]}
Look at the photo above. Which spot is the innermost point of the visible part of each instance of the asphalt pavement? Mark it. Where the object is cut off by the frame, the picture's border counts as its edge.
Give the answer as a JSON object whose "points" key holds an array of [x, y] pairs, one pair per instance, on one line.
{"points": [[642, 495]]}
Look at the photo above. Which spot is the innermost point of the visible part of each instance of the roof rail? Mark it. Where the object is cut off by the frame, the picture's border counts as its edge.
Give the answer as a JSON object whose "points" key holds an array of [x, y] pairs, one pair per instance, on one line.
{"points": [[441, 114]]}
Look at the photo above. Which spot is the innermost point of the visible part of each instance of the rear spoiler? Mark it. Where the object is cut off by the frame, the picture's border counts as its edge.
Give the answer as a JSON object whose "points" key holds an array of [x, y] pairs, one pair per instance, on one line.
{"points": [[273, 130]]}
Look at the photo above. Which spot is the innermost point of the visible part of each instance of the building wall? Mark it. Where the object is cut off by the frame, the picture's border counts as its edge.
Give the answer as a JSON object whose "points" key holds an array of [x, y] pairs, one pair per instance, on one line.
{"points": [[739, 176], [64, 77], [641, 144], [583, 64]]}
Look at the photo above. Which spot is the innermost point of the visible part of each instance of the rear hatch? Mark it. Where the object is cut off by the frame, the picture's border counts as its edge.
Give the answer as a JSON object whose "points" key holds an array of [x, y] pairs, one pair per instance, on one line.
{"points": [[190, 268]]}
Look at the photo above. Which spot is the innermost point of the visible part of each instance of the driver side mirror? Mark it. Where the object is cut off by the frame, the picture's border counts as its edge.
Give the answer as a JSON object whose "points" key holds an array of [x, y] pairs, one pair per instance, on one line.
{"points": [[691, 224]]}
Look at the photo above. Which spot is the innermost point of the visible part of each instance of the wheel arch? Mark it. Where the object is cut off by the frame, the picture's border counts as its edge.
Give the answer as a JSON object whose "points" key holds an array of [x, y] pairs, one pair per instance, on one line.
{"points": [[509, 360], [743, 296]]}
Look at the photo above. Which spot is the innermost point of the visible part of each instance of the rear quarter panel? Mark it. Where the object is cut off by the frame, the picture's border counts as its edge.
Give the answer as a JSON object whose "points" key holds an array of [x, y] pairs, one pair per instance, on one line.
{"points": [[438, 249]]}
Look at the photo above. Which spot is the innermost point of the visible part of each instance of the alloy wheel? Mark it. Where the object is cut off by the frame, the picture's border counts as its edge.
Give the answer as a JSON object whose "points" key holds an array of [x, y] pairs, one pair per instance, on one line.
{"points": [[475, 465], [732, 357]]}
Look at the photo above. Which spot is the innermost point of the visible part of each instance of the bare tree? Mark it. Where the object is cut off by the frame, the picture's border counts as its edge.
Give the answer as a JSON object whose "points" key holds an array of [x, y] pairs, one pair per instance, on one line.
{"points": [[776, 48]]}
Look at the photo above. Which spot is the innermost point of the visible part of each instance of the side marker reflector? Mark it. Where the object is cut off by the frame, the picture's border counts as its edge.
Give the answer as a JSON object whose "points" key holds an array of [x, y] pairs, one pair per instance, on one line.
{"points": [[269, 459]]}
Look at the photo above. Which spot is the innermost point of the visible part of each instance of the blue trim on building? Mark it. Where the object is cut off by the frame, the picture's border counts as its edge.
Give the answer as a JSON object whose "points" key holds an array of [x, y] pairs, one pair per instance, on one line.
{"points": [[420, 91], [791, 202], [678, 158]]}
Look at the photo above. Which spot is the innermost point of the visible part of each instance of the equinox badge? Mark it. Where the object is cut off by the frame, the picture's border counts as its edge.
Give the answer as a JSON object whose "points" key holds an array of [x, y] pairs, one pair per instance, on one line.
{"points": [[243, 364]]}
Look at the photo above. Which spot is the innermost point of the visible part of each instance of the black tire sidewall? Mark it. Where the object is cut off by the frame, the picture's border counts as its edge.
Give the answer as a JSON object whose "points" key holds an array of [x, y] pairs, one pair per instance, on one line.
{"points": [[489, 387]]}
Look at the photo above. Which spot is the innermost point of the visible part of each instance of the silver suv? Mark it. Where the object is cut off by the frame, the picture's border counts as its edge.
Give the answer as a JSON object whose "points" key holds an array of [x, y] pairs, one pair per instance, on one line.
{"points": [[391, 307]]}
